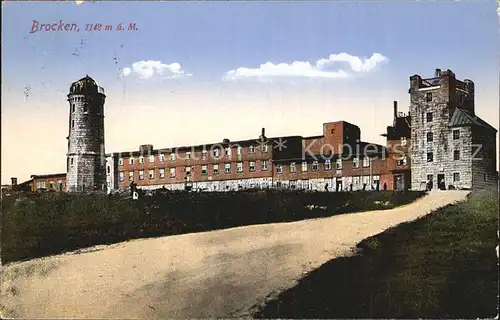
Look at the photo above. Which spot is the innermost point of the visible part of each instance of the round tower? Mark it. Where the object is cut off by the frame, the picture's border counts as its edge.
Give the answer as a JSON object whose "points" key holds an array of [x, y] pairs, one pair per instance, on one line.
{"points": [[86, 155]]}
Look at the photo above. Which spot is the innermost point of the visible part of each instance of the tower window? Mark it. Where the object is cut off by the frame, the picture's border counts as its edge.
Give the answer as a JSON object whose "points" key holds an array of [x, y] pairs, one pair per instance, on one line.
{"points": [[456, 134], [430, 157], [456, 154], [85, 107], [71, 161], [72, 123], [72, 107], [429, 116], [430, 137], [428, 97]]}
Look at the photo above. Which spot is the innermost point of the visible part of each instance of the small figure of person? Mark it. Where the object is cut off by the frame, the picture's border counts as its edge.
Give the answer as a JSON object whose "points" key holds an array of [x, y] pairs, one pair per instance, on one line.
{"points": [[364, 186], [385, 186], [326, 187]]}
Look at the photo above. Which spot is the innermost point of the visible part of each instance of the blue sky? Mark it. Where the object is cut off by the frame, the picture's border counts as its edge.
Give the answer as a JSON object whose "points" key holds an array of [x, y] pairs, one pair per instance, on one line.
{"points": [[208, 39]]}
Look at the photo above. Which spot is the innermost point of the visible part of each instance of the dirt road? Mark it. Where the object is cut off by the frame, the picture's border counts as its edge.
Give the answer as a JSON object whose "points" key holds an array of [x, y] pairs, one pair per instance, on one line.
{"points": [[212, 274]]}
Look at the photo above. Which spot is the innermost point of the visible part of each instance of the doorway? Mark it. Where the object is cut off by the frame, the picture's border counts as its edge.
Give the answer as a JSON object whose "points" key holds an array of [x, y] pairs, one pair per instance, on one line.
{"points": [[399, 182], [339, 185], [441, 182]]}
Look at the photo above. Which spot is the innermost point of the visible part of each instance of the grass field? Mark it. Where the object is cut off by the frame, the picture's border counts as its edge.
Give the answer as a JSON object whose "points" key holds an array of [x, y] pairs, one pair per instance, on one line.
{"points": [[37, 225], [441, 266]]}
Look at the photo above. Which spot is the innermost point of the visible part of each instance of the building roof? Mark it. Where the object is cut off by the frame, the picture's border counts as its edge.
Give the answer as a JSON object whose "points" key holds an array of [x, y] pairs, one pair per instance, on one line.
{"points": [[49, 175], [461, 117]]}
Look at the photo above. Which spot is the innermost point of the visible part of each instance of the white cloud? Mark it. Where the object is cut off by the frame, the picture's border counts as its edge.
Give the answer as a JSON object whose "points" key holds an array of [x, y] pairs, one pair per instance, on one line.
{"points": [[357, 64], [145, 69], [305, 69]]}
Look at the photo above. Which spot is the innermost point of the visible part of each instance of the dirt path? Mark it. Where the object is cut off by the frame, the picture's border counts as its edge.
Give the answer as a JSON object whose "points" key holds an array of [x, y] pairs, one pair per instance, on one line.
{"points": [[212, 274]]}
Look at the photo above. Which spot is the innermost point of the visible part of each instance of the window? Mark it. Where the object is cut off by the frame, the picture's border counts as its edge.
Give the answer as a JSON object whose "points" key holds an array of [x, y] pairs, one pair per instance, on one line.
{"points": [[122, 175], [456, 134], [227, 151], [279, 168], [161, 157], [151, 159], [216, 153], [304, 166], [141, 174], [264, 165], [71, 160], [151, 173], [120, 162], [227, 168], [187, 169], [430, 136], [73, 107], [216, 169], [456, 154], [172, 156], [85, 108], [161, 173], [188, 155], [429, 116], [355, 162], [430, 177], [339, 164], [430, 157], [428, 97], [314, 166], [264, 148], [204, 153], [51, 185], [130, 175], [456, 177], [484, 177], [204, 170], [293, 169], [239, 167], [239, 151], [328, 164], [109, 169], [172, 172], [252, 166], [366, 162], [141, 159], [402, 162], [72, 123], [131, 161], [403, 141], [251, 149]]}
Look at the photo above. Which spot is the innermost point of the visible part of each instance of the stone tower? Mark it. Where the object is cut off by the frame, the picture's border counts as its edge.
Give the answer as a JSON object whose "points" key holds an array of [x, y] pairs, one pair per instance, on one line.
{"points": [[450, 144], [86, 155]]}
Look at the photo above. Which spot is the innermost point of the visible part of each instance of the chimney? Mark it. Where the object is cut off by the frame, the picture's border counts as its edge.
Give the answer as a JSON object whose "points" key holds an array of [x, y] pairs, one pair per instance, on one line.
{"points": [[263, 133], [13, 181], [395, 109], [437, 73]]}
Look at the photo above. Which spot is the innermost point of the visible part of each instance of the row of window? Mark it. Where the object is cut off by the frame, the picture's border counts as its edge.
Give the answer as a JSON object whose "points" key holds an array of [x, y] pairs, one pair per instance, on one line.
{"points": [[456, 155], [239, 168], [456, 135], [355, 161], [204, 155]]}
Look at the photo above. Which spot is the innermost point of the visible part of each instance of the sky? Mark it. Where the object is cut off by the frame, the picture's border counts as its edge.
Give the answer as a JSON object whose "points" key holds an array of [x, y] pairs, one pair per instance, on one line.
{"points": [[199, 72]]}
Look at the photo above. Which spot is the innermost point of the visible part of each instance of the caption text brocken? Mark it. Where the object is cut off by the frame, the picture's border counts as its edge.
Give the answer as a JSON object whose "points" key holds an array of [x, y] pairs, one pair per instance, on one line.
{"points": [[73, 27]]}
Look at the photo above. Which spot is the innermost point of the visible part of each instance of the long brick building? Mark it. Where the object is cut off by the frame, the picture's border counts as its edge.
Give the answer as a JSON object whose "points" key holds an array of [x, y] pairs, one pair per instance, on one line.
{"points": [[436, 144]]}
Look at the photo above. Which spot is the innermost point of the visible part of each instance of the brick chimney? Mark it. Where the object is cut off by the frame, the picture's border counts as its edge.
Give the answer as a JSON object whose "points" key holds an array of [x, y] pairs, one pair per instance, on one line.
{"points": [[13, 181]]}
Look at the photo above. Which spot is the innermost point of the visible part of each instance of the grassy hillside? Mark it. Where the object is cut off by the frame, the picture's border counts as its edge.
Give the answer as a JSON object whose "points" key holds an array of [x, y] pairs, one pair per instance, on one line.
{"points": [[441, 266], [44, 224]]}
